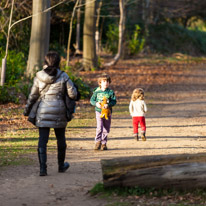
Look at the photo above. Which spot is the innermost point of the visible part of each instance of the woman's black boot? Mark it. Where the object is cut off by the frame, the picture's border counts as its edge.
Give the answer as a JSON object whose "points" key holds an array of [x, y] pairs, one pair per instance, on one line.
{"points": [[63, 166], [42, 161]]}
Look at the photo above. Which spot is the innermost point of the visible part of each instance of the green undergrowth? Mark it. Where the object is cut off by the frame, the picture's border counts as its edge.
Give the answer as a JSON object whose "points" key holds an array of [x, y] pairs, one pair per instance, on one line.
{"points": [[197, 196], [120, 204], [128, 191], [121, 109], [172, 38]]}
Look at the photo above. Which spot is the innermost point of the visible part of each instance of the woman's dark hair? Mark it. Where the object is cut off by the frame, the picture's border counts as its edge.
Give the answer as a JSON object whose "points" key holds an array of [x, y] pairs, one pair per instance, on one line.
{"points": [[51, 60]]}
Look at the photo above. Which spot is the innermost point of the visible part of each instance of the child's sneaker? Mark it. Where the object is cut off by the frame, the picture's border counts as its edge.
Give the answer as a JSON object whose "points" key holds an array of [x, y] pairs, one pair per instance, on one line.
{"points": [[97, 146], [143, 136], [104, 147], [136, 137]]}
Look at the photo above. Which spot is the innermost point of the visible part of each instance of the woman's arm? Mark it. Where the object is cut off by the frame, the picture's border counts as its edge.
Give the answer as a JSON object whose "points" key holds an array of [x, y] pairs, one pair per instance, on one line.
{"points": [[71, 90], [33, 96]]}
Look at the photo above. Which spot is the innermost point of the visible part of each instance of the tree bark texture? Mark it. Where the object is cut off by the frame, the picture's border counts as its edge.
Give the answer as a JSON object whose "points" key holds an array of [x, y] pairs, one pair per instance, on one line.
{"points": [[89, 49], [40, 33], [146, 15], [97, 26], [77, 46], [121, 34], [70, 32], [4, 60], [169, 171]]}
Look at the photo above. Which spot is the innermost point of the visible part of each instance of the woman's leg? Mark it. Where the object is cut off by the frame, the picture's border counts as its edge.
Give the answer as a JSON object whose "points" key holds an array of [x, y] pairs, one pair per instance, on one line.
{"points": [[43, 137], [61, 139], [42, 149], [61, 147]]}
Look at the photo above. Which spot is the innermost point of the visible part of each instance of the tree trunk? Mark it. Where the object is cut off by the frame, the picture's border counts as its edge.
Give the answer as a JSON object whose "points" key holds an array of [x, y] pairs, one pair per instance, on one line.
{"points": [[40, 33], [169, 171], [121, 33], [146, 15], [70, 32], [89, 49], [101, 32], [4, 60], [77, 46], [97, 26]]}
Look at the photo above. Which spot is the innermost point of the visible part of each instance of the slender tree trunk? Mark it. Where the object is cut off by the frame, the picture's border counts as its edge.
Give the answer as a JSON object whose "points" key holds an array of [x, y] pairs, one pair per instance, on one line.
{"points": [[89, 49], [146, 15], [78, 29], [3, 66], [121, 34], [101, 32], [70, 33], [97, 26], [40, 33]]}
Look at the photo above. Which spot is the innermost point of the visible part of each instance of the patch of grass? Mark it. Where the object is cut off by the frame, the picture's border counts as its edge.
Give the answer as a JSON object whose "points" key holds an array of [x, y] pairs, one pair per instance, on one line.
{"points": [[83, 122], [126, 191], [181, 197], [119, 204], [19, 141], [121, 110], [16, 144], [98, 188]]}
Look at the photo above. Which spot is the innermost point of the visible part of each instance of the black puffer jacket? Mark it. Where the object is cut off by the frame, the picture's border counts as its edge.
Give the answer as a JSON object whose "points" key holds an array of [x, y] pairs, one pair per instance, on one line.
{"points": [[52, 110]]}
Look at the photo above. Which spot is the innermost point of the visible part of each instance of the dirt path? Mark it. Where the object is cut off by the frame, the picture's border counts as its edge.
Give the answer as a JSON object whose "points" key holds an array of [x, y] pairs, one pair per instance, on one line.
{"points": [[176, 124]]}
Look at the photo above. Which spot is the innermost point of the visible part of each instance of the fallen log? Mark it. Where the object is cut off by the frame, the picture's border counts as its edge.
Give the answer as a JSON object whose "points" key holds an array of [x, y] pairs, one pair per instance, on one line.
{"points": [[185, 171]]}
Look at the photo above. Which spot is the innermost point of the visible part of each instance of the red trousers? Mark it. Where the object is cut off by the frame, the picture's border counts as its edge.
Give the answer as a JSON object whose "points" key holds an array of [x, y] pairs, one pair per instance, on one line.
{"points": [[136, 122]]}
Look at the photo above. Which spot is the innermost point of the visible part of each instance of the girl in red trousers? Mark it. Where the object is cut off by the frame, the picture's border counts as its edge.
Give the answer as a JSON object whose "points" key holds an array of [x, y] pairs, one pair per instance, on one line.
{"points": [[137, 109]]}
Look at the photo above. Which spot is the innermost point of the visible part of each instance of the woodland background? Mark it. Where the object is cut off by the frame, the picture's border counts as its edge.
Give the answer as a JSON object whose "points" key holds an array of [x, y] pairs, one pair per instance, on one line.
{"points": [[158, 45], [87, 32]]}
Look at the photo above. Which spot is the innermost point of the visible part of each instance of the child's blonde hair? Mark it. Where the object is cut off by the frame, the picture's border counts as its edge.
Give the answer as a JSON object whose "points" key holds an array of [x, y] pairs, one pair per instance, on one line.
{"points": [[138, 94], [103, 76]]}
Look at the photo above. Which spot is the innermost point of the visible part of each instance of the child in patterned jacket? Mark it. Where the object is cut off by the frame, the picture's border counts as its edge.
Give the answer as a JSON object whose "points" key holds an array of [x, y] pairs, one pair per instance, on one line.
{"points": [[103, 124]]}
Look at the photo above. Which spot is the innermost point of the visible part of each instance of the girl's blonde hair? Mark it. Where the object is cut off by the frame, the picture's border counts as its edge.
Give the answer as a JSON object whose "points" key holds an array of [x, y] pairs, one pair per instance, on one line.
{"points": [[138, 94]]}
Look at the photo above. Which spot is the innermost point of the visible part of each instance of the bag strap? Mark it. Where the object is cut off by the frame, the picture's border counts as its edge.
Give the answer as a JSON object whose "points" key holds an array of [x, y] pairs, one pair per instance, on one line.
{"points": [[46, 88]]}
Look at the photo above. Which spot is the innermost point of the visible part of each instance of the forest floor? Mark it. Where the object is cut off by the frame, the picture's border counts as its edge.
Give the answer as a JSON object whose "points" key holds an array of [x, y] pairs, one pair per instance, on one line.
{"points": [[175, 92]]}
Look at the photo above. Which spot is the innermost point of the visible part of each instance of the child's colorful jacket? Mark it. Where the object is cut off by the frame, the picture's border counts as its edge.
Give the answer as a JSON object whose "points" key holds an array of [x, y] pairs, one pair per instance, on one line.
{"points": [[98, 95]]}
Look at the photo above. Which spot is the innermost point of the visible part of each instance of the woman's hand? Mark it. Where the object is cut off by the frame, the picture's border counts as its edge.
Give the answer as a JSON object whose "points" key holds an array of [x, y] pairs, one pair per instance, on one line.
{"points": [[26, 111]]}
